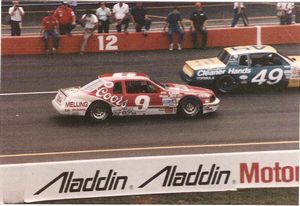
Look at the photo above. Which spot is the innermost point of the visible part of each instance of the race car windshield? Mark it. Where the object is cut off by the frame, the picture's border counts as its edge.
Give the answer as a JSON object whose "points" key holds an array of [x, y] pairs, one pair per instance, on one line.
{"points": [[224, 56]]}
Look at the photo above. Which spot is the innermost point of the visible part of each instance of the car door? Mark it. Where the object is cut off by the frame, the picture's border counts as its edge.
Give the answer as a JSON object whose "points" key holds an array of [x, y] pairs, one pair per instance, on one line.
{"points": [[143, 97], [267, 68]]}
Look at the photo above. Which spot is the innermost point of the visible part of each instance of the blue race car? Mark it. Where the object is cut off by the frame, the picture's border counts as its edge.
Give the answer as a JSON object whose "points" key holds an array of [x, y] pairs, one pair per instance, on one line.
{"points": [[243, 65]]}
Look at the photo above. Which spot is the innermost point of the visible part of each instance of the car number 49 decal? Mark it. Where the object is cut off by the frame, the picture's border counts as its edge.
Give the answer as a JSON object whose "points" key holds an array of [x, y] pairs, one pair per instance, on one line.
{"points": [[273, 77]]}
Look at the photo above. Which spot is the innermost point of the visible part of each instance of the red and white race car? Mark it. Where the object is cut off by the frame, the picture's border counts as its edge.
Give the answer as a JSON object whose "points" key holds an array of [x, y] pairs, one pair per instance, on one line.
{"points": [[123, 94]]}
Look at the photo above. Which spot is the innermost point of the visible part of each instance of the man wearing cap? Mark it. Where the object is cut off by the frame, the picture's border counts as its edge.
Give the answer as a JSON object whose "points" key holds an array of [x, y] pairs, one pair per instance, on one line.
{"points": [[49, 28], [198, 25], [66, 18]]}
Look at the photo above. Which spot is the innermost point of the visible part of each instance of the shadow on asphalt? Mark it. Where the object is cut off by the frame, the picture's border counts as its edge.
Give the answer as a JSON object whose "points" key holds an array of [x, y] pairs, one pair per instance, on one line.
{"points": [[78, 121]]}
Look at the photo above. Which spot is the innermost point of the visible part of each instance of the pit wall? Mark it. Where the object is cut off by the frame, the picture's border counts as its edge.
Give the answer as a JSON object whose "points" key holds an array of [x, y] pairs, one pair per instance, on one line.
{"points": [[218, 37]]}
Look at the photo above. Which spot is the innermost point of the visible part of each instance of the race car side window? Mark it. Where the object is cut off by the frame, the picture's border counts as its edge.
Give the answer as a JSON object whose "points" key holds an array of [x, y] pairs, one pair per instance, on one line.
{"points": [[243, 60], [117, 88], [266, 59], [135, 87]]}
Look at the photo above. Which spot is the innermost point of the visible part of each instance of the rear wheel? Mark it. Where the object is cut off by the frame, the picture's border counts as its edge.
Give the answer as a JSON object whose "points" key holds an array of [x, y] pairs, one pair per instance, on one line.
{"points": [[99, 112], [225, 84], [190, 108]]}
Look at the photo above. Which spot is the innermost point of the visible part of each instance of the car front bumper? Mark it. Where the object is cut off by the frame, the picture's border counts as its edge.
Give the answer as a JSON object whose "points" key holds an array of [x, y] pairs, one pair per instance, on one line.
{"points": [[211, 107]]}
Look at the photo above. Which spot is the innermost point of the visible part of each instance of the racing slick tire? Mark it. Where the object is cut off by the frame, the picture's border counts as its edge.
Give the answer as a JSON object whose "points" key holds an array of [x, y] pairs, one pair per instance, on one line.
{"points": [[99, 111], [190, 108], [225, 84]]}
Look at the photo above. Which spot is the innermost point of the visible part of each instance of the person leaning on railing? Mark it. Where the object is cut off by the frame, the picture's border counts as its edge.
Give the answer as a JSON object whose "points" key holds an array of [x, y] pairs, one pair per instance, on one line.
{"points": [[16, 12]]}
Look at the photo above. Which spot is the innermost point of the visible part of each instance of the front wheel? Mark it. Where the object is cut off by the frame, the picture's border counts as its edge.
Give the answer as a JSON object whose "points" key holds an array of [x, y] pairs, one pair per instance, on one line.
{"points": [[225, 84], [190, 108], [99, 112]]}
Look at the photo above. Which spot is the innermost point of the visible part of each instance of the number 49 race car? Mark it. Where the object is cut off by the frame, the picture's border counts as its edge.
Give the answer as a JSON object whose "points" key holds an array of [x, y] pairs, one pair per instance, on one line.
{"points": [[243, 65], [123, 94]]}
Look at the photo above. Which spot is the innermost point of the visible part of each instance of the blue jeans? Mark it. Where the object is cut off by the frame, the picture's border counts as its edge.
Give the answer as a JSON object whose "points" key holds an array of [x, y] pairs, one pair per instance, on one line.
{"points": [[175, 30], [46, 36]]}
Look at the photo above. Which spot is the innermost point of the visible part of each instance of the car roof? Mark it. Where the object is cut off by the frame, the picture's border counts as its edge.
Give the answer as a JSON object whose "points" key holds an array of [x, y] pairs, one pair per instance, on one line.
{"points": [[250, 49], [124, 76]]}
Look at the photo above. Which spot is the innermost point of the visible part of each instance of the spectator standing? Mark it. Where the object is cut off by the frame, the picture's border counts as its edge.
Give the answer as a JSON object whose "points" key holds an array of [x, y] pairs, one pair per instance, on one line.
{"points": [[90, 22], [103, 13], [284, 12], [239, 11], [66, 19], [140, 18], [16, 12], [49, 28], [121, 16], [174, 18], [198, 22]]}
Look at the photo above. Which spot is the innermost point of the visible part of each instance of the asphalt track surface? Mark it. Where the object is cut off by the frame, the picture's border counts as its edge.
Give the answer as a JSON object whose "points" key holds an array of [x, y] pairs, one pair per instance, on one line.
{"points": [[32, 131]]}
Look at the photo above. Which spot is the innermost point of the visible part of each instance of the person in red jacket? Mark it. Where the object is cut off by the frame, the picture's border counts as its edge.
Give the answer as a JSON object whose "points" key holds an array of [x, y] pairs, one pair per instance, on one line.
{"points": [[49, 28], [66, 19]]}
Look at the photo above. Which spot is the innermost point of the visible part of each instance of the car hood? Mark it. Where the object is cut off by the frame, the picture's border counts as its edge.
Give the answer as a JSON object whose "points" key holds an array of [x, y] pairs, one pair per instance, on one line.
{"points": [[182, 88], [210, 63], [296, 60]]}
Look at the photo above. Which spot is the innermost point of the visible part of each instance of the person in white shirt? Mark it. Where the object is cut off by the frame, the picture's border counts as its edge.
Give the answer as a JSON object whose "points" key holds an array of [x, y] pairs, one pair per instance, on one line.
{"points": [[121, 16], [284, 12], [90, 22], [239, 11], [16, 12], [103, 13]]}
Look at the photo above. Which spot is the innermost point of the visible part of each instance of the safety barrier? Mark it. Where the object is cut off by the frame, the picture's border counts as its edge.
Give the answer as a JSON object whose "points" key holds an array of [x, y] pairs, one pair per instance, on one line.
{"points": [[148, 175], [220, 37]]}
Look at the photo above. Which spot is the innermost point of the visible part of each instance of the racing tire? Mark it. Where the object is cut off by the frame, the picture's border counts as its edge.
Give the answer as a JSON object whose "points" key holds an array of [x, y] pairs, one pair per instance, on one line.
{"points": [[190, 108], [99, 112], [225, 84]]}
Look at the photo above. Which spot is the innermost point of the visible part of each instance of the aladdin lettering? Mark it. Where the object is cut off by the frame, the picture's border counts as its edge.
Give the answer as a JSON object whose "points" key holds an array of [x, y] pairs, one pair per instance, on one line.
{"points": [[173, 178], [69, 184]]}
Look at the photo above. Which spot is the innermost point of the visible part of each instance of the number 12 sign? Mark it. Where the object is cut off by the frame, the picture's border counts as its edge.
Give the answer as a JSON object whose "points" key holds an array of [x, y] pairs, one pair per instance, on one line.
{"points": [[108, 43]]}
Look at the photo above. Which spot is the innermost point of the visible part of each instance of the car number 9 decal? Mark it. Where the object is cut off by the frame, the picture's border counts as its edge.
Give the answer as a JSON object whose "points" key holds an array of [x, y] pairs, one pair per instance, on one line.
{"points": [[142, 103], [273, 77]]}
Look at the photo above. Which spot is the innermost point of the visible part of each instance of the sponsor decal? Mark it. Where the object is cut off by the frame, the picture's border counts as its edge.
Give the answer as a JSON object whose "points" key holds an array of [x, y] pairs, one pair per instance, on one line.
{"points": [[243, 77], [255, 173], [174, 178], [169, 102], [77, 104], [239, 71], [70, 184], [103, 93], [210, 72], [205, 78]]}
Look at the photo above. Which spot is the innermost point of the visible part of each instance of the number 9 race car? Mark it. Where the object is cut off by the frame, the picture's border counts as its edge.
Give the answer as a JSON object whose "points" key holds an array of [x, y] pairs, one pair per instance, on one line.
{"points": [[243, 65], [123, 94]]}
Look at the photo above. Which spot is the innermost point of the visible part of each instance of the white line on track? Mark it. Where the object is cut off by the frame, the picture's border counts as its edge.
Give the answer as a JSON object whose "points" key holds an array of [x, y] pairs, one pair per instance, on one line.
{"points": [[27, 93], [152, 148]]}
